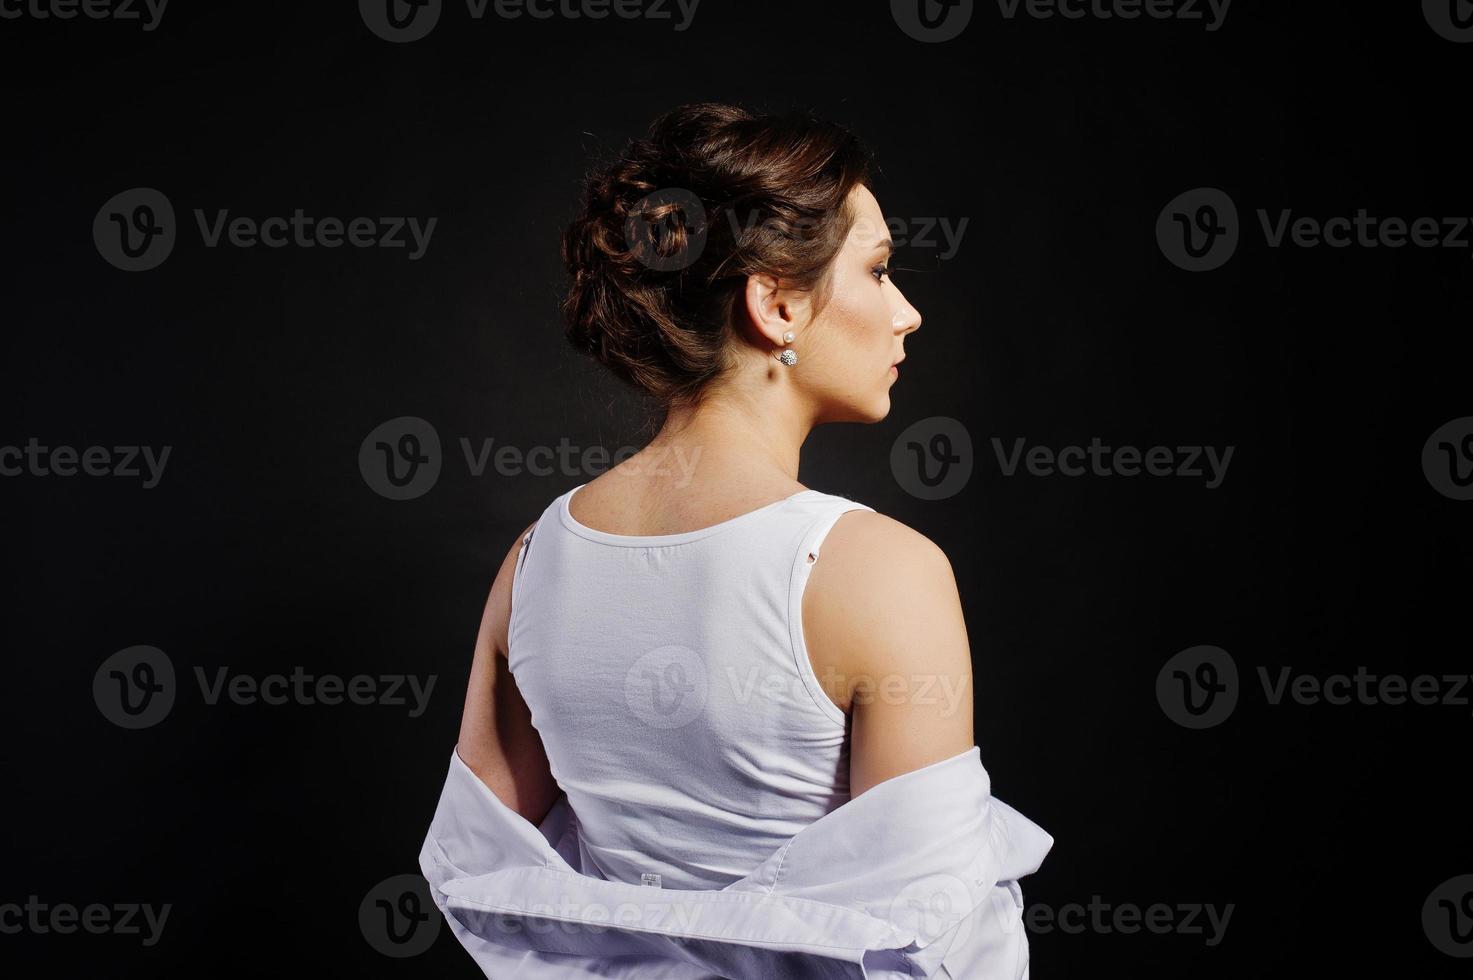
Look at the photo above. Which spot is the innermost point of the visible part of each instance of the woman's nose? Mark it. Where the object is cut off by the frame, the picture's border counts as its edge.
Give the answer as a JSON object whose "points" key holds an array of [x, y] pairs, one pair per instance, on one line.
{"points": [[907, 317]]}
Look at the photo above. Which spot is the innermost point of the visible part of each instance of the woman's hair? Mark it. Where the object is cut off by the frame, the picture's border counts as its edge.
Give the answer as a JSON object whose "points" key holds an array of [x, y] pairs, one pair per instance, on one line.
{"points": [[659, 254]]}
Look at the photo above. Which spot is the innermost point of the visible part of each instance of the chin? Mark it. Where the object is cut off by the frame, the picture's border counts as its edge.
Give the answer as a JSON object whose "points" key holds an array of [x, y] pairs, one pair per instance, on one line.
{"points": [[873, 412], [855, 408]]}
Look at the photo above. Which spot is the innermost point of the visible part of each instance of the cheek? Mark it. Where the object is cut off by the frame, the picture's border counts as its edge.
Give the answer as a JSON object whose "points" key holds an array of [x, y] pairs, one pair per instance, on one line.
{"points": [[861, 315]]}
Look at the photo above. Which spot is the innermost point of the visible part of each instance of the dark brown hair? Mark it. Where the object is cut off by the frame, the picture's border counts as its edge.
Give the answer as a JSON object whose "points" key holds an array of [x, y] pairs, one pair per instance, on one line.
{"points": [[660, 251]]}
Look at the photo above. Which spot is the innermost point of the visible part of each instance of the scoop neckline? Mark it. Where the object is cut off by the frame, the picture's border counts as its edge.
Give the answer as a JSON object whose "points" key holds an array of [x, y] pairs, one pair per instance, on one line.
{"points": [[647, 540]]}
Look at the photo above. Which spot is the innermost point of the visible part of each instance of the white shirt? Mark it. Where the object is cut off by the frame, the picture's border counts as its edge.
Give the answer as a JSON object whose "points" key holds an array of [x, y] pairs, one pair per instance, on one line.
{"points": [[916, 877]]}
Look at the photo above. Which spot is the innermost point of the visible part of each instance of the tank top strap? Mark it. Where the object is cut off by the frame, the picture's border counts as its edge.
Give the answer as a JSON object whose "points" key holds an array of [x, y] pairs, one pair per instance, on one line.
{"points": [[821, 512], [522, 549], [521, 561]]}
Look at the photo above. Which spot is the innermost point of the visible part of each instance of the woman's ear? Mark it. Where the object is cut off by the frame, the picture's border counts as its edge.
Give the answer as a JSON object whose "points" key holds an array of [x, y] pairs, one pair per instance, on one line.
{"points": [[769, 307]]}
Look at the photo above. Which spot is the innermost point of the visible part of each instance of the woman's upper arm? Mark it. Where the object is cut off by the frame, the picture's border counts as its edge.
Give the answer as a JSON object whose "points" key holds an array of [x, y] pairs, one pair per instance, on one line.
{"points": [[881, 611], [497, 741]]}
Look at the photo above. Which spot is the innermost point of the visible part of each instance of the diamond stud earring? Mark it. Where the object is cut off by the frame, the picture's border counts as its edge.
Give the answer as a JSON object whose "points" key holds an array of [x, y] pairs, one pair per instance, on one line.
{"points": [[788, 357]]}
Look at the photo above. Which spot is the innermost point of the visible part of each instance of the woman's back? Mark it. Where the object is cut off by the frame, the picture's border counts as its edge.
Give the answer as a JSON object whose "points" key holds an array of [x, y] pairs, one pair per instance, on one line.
{"points": [[677, 658], [668, 679]]}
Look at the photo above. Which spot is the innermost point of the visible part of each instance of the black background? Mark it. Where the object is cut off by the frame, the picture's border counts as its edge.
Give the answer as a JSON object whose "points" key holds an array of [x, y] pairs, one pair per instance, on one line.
{"points": [[1058, 320]]}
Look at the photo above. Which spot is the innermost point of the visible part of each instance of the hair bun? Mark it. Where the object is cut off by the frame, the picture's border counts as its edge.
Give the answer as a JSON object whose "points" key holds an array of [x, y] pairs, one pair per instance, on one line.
{"points": [[668, 232]]}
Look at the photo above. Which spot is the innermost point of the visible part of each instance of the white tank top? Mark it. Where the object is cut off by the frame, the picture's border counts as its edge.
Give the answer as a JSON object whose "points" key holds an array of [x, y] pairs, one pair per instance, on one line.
{"points": [[668, 678]]}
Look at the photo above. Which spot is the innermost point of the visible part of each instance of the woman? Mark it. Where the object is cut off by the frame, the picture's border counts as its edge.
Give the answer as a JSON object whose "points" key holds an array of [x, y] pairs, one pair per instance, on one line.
{"points": [[670, 683]]}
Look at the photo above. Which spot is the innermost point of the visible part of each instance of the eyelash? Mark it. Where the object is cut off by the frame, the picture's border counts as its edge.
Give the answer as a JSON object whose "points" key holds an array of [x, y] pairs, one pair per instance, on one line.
{"points": [[883, 270]]}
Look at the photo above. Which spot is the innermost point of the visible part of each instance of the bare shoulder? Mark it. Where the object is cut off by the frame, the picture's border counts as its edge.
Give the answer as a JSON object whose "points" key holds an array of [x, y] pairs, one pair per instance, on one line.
{"points": [[876, 577], [497, 616], [862, 537], [497, 739], [883, 624]]}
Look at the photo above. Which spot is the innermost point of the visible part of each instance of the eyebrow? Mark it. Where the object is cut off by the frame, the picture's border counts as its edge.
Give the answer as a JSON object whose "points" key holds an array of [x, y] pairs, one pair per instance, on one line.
{"points": [[887, 244]]}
